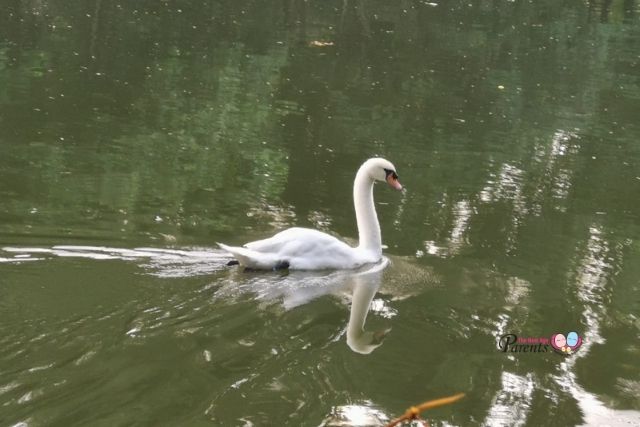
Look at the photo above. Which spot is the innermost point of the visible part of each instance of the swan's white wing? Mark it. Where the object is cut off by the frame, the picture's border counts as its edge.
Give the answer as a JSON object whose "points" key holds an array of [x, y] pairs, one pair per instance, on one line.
{"points": [[295, 234], [302, 248], [250, 258], [271, 244]]}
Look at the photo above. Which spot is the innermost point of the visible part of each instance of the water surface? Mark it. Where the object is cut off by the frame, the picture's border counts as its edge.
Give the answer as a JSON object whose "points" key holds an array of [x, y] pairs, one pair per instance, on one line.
{"points": [[135, 136]]}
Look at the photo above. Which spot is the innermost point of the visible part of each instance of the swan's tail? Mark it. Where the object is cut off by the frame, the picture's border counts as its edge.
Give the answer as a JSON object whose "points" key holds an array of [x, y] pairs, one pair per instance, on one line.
{"points": [[252, 259]]}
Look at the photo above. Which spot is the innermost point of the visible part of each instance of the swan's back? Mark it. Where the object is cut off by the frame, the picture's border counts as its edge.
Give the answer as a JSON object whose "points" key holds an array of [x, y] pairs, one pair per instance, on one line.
{"points": [[301, 249], [306, 249]]}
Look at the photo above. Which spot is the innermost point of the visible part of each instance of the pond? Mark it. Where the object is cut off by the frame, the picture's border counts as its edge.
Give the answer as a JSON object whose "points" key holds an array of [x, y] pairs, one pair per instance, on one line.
{"points": [[136, 135]]}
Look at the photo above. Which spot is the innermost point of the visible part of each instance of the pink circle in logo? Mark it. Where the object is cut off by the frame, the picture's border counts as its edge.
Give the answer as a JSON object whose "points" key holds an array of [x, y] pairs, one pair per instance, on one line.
{"points": [[558, 341]]}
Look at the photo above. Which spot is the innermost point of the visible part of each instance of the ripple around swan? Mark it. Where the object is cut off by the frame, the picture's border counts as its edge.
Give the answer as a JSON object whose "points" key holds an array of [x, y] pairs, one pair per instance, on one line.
{"points": [[159, 262]]}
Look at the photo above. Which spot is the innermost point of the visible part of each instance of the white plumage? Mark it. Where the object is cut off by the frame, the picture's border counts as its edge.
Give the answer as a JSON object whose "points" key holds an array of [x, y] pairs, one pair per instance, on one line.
{"points": [[306, 249]]}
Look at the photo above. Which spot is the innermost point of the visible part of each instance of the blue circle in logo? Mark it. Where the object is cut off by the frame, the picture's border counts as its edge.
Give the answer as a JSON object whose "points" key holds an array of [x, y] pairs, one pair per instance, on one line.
{"points": [[572, 339]]}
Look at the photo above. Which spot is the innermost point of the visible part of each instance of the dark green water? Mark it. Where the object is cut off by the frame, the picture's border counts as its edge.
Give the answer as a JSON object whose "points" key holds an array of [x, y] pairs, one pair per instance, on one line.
{"points": [[170, 125]]}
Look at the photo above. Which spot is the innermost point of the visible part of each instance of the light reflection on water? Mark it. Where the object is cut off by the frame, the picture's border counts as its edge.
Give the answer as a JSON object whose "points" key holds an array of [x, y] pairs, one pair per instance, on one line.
{"points": [[462, 212], [363, 415], [593, 273], [510, 407]]}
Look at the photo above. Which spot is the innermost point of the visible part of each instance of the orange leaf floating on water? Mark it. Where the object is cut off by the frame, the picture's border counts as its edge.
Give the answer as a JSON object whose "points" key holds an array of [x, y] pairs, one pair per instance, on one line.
{"points": [[318, 43], [414, 412]]}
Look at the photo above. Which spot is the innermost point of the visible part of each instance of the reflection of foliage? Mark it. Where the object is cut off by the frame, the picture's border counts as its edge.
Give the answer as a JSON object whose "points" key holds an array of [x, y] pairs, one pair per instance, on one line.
{"points": [[195, 149], [197, 82]]}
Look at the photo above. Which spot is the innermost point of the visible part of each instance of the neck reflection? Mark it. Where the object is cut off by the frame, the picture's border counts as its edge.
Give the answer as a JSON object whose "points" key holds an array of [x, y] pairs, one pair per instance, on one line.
{"points": [[365, 285]]}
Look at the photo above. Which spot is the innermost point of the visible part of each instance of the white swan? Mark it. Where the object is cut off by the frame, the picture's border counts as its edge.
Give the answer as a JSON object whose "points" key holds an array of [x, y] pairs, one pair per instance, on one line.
{"points": [[307, 249]]}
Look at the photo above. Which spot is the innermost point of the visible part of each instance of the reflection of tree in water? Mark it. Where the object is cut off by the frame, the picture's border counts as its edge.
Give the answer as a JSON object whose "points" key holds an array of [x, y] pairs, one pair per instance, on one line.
{"points": [[392, 69], [187, 104]]}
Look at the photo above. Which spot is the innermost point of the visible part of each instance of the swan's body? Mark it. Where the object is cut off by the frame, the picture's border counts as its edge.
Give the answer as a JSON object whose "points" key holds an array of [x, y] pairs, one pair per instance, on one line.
{"points": [[300, 249], [307, 249]]}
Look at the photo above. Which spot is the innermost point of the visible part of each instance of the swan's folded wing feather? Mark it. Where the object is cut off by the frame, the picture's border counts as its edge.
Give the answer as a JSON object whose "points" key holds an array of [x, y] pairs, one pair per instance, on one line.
{"points": [[250, 258], [265, 245], [293, 240]]}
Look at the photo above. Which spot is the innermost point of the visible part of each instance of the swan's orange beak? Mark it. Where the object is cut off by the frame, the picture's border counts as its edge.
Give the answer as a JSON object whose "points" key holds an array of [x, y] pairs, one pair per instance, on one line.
{"points": [[392, 180]]}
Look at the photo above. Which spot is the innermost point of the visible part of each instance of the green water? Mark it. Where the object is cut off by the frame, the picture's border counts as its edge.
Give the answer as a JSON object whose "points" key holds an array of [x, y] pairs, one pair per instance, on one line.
{"points": [[135, 135]]}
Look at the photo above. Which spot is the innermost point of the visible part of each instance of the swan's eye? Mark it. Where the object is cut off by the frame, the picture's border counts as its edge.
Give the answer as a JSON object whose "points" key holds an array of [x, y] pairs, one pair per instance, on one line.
{"points": [[393, 174]]}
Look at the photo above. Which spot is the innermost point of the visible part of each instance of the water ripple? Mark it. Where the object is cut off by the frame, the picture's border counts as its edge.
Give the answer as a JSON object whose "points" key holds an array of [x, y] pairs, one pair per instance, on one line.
{"points": [[157, 261]]}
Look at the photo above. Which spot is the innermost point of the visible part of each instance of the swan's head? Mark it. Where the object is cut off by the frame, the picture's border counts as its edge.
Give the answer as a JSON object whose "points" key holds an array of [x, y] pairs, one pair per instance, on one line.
{"points": [[367, 341], [380, 169]]}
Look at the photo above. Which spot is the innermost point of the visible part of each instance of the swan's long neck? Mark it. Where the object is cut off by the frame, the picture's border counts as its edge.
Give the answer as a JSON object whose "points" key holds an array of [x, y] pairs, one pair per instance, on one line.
{"points": [[366, 217]]}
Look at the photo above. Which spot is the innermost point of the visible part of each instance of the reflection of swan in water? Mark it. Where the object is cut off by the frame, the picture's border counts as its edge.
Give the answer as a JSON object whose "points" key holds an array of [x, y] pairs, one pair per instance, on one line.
{"points": [[365, 285], [298, 288], [400, 280]]}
